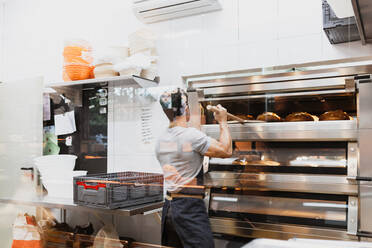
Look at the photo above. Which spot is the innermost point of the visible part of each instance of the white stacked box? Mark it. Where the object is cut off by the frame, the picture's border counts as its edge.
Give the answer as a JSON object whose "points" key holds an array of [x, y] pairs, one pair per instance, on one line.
{"points": [[142, 41]]}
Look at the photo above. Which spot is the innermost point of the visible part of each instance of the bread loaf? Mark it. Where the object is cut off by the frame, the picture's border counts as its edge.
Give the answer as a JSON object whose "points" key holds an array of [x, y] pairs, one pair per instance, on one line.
{"points": [[300, 116], [334, 115], [269, 117], [245, 117]]}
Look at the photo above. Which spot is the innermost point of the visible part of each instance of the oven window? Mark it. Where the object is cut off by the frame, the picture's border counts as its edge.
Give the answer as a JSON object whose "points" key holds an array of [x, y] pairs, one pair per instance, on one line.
{"points": [[281, 107], [285, 157], [274, 207]]}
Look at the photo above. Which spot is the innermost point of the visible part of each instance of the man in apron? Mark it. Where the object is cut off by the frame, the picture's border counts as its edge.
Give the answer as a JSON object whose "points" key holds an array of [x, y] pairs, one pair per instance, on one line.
{"points": [[180, 151]]}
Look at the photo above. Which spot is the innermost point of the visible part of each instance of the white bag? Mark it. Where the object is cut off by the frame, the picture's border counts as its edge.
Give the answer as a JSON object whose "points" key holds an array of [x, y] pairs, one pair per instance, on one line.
{"points": [[107, 237]]}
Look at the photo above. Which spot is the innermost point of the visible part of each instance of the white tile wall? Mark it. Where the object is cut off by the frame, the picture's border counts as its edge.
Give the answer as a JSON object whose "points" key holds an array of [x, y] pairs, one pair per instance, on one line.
{"points": [[300, 49], [340, 51], [34, 33], [220, 58], [221, 27], [258, 20], [299, 18], [251, 56]]}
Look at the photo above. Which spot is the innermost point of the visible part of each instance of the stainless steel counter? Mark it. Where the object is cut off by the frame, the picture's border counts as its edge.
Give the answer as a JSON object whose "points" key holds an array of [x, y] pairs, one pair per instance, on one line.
{"points": [[62, 203]]}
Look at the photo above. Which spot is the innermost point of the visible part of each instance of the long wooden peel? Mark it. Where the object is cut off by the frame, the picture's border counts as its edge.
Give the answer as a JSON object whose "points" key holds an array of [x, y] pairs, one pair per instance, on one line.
{"points": [[231, 116]]}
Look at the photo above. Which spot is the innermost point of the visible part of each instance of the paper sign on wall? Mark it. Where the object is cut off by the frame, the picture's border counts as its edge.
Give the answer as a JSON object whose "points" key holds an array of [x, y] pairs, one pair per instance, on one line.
{"points": [[65, 123]]}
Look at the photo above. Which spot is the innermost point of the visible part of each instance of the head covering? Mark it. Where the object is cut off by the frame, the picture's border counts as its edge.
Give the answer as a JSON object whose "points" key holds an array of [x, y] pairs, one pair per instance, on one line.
{"points": [[174, 103]]}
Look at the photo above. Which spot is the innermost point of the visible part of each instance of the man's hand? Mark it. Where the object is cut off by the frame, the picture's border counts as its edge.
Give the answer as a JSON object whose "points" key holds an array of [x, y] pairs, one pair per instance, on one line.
{"points": [[221, 148], [220, 114]]}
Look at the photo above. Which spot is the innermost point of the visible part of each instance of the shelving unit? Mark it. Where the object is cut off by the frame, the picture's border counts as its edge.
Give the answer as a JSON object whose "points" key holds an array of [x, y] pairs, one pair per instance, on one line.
{"points": [[61, 203], [130, 80]]}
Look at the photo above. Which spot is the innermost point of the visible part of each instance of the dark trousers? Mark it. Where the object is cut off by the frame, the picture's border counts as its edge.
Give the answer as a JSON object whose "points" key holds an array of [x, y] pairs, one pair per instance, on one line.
{"points": [[185, 224]]}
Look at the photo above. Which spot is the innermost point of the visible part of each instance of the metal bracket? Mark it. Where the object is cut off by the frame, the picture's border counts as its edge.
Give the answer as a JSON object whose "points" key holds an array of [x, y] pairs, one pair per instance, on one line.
{"points": [[350, 85], [352, 215], [63, 215], [207, 198], [352, 160]]}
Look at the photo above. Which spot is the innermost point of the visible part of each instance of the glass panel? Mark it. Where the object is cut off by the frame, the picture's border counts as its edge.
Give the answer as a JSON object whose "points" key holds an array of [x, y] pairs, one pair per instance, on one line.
{"points": [[135, 120], [20, 142], [304, 157], [281, 208], [282, 106]]}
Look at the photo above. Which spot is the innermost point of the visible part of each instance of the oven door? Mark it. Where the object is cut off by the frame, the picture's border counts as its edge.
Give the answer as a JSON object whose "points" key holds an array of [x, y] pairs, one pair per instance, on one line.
{"points": [[245, 212], [315, 167], [312, 104]]}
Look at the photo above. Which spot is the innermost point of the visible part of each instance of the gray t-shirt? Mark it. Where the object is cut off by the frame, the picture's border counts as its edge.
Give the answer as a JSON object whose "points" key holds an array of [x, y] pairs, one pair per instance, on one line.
{"points": [[180, 153]]}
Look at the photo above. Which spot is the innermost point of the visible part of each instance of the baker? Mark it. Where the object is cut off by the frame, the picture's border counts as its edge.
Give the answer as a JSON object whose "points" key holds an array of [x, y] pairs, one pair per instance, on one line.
{"points": [[180, 151]]}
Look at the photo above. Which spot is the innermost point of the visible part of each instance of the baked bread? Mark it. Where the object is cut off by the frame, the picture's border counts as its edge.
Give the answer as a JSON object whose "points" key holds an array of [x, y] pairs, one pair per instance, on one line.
{"points": [[316, 118], [269, 117], [299, 116], [256, 162], [335, 115], [246, 117]]}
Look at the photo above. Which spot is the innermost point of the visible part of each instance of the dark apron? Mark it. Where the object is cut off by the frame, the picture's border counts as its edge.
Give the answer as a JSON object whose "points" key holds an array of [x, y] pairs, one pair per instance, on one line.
{"points": [[185, 223]]}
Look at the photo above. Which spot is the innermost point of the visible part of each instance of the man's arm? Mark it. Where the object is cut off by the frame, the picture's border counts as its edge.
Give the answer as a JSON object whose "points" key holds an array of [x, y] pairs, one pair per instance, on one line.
{"points": [[221, 148]]}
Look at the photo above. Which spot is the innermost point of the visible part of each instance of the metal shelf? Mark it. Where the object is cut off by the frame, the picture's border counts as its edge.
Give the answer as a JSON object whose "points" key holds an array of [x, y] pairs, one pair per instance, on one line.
{"points": [[290, 131], [68, 204], [142, 82]]}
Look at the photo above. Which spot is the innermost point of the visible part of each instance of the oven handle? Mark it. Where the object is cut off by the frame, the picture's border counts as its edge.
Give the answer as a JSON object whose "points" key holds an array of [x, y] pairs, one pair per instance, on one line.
{"points": [[368, 179]]}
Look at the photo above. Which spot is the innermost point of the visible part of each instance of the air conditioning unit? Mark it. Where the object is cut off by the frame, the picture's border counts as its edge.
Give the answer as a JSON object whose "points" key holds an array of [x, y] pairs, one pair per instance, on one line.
{"points": [[150, 11]]}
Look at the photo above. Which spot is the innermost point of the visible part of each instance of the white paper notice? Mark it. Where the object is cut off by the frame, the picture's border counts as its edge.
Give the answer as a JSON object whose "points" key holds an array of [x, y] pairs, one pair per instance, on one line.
{"points": [[65, 123]]}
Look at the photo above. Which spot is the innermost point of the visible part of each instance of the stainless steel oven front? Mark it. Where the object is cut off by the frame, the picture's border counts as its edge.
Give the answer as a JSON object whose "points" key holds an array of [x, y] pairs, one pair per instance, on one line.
{"points": [[303, 178]]}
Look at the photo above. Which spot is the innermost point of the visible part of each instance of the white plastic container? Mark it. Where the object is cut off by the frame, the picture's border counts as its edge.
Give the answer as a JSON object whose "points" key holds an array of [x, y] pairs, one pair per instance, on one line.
{"points": [[64, 175], [120, 51], [59, 188], [55, 164], [79, 173], [105, 70], [130, 71], [61, 185]]}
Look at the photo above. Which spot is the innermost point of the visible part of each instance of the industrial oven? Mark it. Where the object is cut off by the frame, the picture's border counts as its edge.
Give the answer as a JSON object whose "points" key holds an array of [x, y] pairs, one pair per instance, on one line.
{"points": [[309, 178]]}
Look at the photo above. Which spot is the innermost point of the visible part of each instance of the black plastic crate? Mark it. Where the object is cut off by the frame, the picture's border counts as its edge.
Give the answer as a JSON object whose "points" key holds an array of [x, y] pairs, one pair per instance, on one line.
{"points": [[338, 30], [118, 190]]}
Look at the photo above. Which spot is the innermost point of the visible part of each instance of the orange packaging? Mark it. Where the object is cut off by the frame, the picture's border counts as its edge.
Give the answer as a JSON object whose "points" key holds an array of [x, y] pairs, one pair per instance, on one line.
{"points": [[25, 232], [78, 61]]}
